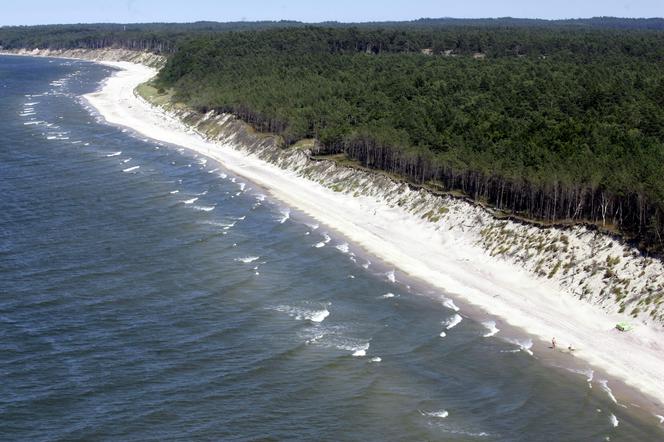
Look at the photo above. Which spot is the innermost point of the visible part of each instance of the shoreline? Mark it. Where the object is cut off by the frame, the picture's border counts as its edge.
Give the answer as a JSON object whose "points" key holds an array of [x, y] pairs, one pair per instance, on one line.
{"points": [[413, 246]]}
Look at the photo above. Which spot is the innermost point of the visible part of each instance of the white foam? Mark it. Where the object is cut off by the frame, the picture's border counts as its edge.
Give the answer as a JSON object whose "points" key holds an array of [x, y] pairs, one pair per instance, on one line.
{"points": [[190, 201], [32, 103], [204, 208], [450, 304], [366, 264], [388, 295], [357, 349], [248, 259], [173, 192], [491, 327], [442, 334], [441, 414], [313, 226], [524, 345], [605, 386], [326, 239], [391, 276], [452, 322], [285, 214], [660, 417], [588, 373], [223, 175], [376, 359], [127, 160], [300, 314], [342, 247], [130, 169], [614, 420], [260, 197], [242, 186]]}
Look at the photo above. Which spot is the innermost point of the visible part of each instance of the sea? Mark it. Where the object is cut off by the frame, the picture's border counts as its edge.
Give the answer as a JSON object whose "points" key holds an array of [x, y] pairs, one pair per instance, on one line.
{"points": [[146, 293]]}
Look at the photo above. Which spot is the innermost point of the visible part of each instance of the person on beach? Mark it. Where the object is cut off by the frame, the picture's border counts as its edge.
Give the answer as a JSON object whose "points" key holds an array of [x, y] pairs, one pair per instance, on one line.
{"points": [[553, 343]]}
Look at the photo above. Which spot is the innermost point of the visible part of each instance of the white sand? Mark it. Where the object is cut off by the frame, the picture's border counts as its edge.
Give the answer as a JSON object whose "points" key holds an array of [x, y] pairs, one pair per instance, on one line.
{"points": [[449, 261]]}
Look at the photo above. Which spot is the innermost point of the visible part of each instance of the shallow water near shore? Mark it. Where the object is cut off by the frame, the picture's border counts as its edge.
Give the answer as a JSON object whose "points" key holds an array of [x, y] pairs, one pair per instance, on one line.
{"points": [[147, 293]]}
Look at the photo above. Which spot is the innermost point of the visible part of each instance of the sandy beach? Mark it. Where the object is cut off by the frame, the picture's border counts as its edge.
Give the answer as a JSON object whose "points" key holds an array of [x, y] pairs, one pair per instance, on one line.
{"points": [[446, 260]]}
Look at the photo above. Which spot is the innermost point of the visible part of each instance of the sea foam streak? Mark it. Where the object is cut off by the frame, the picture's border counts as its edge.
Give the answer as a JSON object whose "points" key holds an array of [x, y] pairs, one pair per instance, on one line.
{"points": [[248, 259], [190, 201], [388, 295], [204, 208], [450, 304], [285, 214], [442, 414], [362, 350], [452, 322], [129, 169], [605, 386], [524, 346], [300, 314], [391, 276], [491, 327], [342, 247], [357, 349], [614, 420], [326, 239], [588, 373], [114, 154]]}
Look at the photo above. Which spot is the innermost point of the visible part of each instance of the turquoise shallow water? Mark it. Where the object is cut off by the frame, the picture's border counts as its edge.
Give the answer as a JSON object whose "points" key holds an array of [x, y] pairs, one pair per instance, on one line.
{"points": [[148, 294]]}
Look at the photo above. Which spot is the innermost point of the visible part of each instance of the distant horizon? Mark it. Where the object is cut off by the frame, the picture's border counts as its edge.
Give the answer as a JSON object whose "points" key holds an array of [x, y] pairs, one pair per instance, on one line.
{"points": [[43, 12], [335, 21]]}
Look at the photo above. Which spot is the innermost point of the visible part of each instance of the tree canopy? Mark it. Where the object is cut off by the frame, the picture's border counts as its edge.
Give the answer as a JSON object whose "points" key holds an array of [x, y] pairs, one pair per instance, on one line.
{"points": [[553, 124]]}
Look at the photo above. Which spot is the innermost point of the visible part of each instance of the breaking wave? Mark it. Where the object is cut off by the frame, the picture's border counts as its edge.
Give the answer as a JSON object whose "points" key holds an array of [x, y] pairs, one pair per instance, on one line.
{"points": [[491, 327]]}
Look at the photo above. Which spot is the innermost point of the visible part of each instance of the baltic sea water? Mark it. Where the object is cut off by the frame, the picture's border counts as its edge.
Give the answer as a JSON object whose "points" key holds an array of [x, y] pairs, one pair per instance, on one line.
{"points": [[148, 294]]}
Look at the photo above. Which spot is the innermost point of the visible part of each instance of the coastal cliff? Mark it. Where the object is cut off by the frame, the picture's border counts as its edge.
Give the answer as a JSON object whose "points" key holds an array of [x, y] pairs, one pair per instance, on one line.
{"points": [[579, 261], [107, 54]]}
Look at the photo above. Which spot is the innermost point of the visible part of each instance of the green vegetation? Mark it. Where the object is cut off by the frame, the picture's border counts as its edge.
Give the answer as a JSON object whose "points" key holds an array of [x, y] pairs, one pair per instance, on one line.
{"points": [[548, 121], [154, 95], [551, 124]]}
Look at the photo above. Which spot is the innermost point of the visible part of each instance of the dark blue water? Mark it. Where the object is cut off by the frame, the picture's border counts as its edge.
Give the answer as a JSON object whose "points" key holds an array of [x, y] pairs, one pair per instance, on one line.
{"points": [[130, 311]]}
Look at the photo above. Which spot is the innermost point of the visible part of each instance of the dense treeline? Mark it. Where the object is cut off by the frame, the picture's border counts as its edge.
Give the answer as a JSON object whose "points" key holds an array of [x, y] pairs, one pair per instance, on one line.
{"points": [[153, 37], [553, 124], [166, 37]]}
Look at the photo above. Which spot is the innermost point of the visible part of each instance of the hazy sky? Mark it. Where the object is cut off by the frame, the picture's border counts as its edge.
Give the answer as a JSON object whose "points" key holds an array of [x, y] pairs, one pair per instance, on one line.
{"points": [[80, 11]]}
